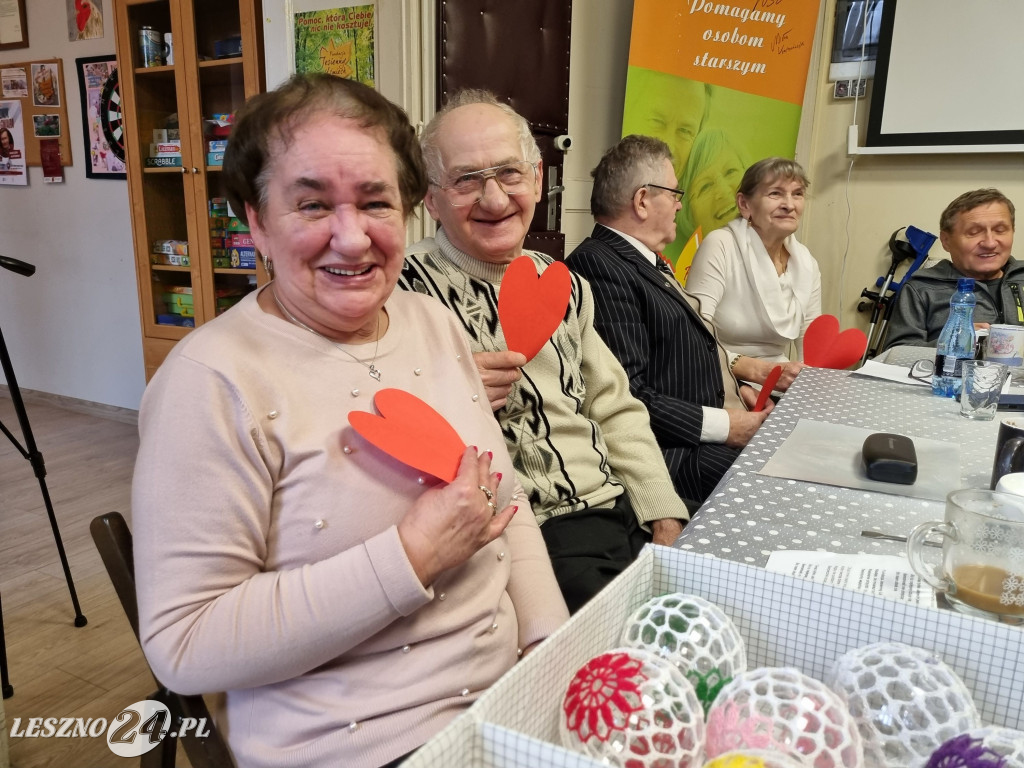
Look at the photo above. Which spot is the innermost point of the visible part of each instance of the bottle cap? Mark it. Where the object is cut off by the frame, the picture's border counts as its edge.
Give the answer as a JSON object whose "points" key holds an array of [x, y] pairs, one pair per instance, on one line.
{"points": [[965, 284]]}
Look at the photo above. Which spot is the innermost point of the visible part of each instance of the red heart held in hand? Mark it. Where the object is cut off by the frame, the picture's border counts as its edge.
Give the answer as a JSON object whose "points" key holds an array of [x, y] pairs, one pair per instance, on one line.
{"points": [[411, 431], [766, 389], [530, 307], [826, 347]]}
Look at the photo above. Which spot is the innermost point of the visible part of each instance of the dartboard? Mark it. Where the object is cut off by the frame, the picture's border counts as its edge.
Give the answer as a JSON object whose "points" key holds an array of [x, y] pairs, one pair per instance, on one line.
{"points": [[110, 115]]}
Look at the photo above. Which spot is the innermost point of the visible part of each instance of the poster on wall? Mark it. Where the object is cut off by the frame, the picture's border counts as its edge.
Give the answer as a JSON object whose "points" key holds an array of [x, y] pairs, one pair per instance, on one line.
{"points": [[338, 40], [722, 84], [85, 19], [101, 117], [12, 145]]}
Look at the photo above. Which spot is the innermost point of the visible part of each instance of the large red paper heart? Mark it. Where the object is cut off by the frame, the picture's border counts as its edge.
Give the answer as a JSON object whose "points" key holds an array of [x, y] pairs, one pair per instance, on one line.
{"points": [[530, 307], [766, 389], [411, 431], [826, 347]]}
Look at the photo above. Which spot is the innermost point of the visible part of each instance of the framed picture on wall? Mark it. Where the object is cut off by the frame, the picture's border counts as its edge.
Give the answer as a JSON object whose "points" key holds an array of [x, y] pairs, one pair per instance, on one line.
{"points": [[101, 117], [13, 26]]}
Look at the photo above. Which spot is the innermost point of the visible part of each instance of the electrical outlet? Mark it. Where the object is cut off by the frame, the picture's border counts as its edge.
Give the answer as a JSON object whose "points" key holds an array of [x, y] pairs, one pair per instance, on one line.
{"points": [[848, 89]]}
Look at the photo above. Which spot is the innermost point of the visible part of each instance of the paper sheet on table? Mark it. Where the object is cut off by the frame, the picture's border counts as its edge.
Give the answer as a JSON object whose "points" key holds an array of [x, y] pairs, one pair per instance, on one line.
{"points": [[881, 575], [818, 452], [898, 373]]}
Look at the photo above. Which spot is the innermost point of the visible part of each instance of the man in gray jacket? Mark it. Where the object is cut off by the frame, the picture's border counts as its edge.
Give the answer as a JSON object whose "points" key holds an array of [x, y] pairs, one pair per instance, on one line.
{"points": [[976, 230]]}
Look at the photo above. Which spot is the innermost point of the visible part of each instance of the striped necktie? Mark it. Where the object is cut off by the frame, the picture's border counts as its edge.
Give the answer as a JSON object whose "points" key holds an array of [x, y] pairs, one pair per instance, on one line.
{"points": [[665, 267]]}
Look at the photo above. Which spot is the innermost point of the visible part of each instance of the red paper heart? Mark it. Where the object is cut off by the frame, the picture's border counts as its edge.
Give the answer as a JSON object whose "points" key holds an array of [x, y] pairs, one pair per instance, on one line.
{"points": [[766, 389], [826, 347], [530, 307], [411, 431]]}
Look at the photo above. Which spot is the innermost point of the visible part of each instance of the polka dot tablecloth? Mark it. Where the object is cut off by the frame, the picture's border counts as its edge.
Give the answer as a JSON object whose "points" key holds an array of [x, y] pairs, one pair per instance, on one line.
{"points": [[749, 515]]}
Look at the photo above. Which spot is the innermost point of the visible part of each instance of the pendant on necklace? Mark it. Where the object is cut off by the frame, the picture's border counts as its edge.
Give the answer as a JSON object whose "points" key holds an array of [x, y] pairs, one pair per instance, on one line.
{"points": [[374, 373]]}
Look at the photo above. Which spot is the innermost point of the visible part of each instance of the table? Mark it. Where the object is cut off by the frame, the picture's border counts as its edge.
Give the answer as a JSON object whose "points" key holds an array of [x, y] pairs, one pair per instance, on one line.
{"points": [[749, 516]]}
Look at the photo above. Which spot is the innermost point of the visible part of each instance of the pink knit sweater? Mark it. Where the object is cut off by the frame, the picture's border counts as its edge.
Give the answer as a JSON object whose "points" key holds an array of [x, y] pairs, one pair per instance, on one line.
{"points": [[266, 550]]}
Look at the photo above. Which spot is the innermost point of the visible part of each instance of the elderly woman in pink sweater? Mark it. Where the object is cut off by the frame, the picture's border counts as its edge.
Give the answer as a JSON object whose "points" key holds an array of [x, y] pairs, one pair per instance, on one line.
{"points": [[348, 605]]}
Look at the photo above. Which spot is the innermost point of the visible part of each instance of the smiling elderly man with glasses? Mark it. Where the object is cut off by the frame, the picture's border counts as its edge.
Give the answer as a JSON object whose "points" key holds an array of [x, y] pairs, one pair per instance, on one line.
{"points": [[581, 443], [675, 365]]}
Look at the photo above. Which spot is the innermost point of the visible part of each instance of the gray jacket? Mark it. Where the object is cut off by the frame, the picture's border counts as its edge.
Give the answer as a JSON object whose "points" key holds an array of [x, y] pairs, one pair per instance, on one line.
{"points": [[923, 304]]}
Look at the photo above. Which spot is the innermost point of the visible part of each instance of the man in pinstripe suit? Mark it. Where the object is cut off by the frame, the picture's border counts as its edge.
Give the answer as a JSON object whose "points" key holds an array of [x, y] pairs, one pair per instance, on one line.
{"points": [[675, 365]]}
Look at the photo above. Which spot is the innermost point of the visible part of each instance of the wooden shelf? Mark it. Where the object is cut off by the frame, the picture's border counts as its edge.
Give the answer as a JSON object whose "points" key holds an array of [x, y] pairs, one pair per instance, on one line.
{"points": [[172, 202]]}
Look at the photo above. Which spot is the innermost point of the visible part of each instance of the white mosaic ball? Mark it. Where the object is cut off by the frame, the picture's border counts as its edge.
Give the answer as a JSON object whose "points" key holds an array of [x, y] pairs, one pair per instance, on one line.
{"points": [[1006, 741], [693, 634], [754, 758], [632, 709], [906, 702], [786, 711]]}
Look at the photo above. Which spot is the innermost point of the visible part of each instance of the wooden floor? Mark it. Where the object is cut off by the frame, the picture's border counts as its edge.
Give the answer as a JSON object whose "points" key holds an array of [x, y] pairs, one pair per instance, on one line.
{"points": [[58, 670]]}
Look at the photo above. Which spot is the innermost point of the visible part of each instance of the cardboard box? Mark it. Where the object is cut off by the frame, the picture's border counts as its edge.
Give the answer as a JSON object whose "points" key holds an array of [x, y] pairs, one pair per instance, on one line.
{"points": [[785, 622], [170, 246], [240, 240], [170, 259], [243, 258], [179, 320], [177, 300], [163, 162], [215, 158]]}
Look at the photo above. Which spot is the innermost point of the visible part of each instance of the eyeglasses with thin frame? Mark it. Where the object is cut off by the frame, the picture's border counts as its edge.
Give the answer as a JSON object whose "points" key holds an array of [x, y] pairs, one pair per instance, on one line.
{"points": [[467, 188], [922, 370], [677, 193]]}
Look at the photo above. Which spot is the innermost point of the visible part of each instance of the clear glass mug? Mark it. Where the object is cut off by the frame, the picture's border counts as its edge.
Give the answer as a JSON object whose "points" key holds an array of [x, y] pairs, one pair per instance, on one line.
{"points": [[982, 569]]}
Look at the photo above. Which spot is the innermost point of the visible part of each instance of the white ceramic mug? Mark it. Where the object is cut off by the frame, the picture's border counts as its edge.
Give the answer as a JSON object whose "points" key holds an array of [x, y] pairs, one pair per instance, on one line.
{"points": [[1005, 344], [1011, 483]]}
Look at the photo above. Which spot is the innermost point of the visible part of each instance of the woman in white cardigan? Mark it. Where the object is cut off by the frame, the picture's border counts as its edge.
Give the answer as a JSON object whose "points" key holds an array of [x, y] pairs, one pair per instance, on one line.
{"points": [[757, 284]]}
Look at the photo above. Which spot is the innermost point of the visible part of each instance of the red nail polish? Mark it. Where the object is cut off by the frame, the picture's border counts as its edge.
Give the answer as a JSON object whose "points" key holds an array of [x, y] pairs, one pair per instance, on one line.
{"points": [[490, 454], [475, 449], [499, 477], [514, 510]]}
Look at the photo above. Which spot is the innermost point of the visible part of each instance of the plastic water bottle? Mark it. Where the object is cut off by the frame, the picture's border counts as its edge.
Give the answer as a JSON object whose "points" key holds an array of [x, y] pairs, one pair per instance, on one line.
{"points": [[956, 342]]}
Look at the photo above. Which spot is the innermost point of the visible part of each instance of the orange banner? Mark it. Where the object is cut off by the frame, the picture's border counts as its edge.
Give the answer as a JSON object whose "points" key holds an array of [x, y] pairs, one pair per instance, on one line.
{"points": [[760, 47]]}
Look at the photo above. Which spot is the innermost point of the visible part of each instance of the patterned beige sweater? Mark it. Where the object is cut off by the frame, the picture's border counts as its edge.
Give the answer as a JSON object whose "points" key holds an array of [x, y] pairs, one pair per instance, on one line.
{"points": [[577, 437]]}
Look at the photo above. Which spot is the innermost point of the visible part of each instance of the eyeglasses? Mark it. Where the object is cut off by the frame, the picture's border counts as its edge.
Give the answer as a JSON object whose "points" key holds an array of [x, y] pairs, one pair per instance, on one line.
{"points": [[922, 370], [676, 193], [468, 188]]}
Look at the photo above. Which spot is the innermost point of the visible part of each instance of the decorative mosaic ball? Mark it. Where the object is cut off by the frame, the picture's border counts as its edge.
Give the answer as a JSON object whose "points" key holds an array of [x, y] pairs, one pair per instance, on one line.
{"points": [[632, 709], [753, 758], [991, 747], [786, 711], [693, 634], [965, 752], [906, 702]]}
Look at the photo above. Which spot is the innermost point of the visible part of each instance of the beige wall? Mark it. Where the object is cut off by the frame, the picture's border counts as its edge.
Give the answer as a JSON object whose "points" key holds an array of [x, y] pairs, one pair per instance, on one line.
{"points": [[885, 192]]}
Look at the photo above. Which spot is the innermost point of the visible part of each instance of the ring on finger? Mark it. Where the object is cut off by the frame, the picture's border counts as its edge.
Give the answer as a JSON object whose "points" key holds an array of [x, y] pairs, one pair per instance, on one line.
{"points": [[487, 491], [494, 508]]}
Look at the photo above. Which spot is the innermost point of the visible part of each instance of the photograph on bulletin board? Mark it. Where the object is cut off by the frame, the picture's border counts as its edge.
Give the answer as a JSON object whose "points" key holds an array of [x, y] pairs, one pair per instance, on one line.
{"points": [[101, 117], [12, 144], [45, 85]]}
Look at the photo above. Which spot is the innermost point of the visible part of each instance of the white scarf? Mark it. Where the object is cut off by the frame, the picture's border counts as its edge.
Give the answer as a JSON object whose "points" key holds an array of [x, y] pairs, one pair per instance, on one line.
{"points": [[783, 313]]}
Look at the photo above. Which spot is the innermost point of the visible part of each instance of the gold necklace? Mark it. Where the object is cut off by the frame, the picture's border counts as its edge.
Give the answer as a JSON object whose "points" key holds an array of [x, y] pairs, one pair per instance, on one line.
{"points": [[374, 371]]}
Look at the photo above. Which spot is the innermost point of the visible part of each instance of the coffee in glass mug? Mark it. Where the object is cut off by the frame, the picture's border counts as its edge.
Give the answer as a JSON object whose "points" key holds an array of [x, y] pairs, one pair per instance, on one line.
{"points": [[982, 569]]}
